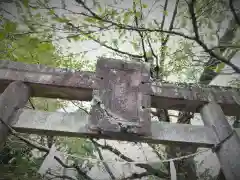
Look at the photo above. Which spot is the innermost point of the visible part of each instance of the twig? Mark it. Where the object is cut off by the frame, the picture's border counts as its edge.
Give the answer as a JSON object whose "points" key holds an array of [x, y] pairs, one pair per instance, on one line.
{"points": [[104, 45], [201, 43], [140, 34], [75, 166], [164, 14], [27, 141], [80, 107], [104, 163], [147, 167], [150, 45], [31, 103], [60, 176], [172, 21], [132, 28], [155, 150], [226, 46]]}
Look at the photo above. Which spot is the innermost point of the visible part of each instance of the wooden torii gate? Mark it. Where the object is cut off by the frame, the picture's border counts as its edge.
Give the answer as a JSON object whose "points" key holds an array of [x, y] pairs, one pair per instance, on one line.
{"points": [[122, 94]]}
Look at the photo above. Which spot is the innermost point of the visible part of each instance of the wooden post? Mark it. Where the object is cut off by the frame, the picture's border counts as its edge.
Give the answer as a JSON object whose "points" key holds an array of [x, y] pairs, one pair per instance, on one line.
{"points": [[14, 97], [228, 152], [120, 104]]}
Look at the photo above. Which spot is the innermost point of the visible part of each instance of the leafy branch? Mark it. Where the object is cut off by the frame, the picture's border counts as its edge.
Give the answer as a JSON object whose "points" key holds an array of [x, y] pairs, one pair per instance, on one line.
{"points": [[201, 43], [169, 32]]}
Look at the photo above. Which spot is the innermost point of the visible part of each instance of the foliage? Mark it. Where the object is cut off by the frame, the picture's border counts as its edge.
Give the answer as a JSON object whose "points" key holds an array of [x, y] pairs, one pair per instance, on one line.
{"points": [[17, 162], [23, 43]]}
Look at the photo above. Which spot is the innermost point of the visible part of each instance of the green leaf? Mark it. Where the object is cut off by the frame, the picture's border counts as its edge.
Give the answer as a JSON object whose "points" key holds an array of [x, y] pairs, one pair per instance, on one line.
{"points": [[90, 19], [45, 46], [149, 54], [144, 5], [138, 14], [38, 15], [99, 7], [135, 46], [165, 13], [76, 38], [61, 20], [10, 26], [219, 67], [51, 12], [126, 17], [25, 2], [2, 35]]}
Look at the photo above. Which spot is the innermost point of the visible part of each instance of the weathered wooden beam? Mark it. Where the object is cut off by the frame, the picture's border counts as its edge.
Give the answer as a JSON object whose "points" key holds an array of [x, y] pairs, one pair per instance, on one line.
{"points": [[74, 125], [75, 85], [48, 82], [191, 99], [228, 151], [14, 97]]}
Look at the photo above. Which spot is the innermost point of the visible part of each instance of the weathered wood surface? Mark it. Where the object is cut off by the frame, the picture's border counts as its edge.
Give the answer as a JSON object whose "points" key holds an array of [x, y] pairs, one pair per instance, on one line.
{"points": [[170, 96], [229, 151], [14, 97], [67, 84], [74, 125], [119, 104], [48, 82]]}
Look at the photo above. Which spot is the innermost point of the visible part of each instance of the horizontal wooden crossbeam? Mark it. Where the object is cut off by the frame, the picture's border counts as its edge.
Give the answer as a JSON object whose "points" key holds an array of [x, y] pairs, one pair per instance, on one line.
{"points": [[78, 85], [48, 82], [74, 125]]}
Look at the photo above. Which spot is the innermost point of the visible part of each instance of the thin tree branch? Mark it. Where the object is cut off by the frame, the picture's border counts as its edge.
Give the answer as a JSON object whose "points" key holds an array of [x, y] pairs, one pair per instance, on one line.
{"points": [[80, 107], [225, 46], [150, 45], [234, 12], [172, 21], [147, 167], [201, 43], [131, 28], [164, 14], [31, 103], [104, 45], [59, 176], [153, 146], [74, 166], [160, 68], [140, 34], [104, 163]]}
